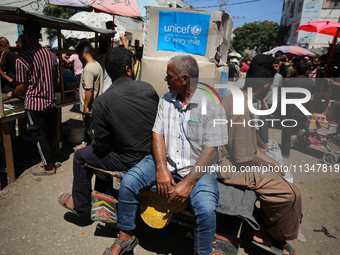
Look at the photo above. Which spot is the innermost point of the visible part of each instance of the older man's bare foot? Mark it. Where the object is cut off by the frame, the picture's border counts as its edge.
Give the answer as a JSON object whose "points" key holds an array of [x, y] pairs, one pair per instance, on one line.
{"points": [[262, 237]]}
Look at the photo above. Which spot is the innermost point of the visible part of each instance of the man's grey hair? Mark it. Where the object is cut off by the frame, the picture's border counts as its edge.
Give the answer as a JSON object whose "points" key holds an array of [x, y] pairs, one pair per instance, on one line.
{"points": [[185, 64]]}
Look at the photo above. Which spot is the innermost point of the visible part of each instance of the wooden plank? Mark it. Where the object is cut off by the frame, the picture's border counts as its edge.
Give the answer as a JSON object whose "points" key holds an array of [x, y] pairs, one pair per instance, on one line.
{"points": [[58, 131], [22, 126], [6, 134], [96, 41], [61, 68]]}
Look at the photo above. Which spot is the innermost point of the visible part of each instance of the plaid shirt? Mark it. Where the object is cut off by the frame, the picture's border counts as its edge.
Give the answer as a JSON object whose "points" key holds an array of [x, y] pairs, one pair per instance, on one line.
{"points": [[38, 69], [186, 131]]}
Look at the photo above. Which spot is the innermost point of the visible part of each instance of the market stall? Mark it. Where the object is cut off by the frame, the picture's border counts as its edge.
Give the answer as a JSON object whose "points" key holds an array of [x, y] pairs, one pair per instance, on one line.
{"points": [[14, 108]]}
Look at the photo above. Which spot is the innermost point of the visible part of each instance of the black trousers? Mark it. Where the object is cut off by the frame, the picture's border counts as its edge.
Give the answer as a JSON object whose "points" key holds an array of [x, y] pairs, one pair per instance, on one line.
{"points": [[42, 125], [287, 132], [81, 190]]}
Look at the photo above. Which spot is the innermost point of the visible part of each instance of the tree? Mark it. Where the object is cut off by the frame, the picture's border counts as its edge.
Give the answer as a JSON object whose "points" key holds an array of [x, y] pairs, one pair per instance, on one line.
{"points": [[60, 12], [259, 35]]}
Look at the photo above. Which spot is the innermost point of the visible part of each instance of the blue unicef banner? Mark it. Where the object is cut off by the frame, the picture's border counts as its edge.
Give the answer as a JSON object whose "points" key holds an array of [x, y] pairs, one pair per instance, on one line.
{"points": [[20, 29], [183, 32]]}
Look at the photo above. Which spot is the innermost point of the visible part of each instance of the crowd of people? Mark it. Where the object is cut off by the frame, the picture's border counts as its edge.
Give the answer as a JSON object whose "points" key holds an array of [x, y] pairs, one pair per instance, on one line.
{"points": [[165, 142], [297, 72]]}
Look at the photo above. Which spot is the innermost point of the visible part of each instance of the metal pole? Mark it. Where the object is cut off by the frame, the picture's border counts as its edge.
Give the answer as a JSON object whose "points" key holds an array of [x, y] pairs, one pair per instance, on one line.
{"points": [[61, 67], [330, 55]]}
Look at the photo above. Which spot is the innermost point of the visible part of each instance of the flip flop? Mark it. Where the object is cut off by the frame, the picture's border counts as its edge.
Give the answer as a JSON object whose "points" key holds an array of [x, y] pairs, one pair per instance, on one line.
{"points": [[127, 246], [289, 248], [39, 171], [271, 249], [62, 203], [56, 165]]}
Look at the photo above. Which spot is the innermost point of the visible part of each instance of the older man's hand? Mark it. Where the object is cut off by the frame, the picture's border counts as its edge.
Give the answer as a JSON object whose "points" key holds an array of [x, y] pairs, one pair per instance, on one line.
{"points": [[180, 192], [164, 180]]}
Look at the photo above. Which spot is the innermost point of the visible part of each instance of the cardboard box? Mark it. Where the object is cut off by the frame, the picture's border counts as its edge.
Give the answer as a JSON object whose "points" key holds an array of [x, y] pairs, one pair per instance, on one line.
{"points": [[317, 117], [154, 72], [220, 30], [312, 124], [154, 62]]}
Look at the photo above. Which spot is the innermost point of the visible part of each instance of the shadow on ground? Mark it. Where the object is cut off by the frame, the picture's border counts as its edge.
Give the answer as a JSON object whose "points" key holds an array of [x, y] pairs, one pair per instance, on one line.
{"points": [[26, 155]]}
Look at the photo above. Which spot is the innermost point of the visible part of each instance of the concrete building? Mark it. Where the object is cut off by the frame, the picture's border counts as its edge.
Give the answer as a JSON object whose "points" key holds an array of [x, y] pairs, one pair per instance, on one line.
{"points": [[299, 12]]}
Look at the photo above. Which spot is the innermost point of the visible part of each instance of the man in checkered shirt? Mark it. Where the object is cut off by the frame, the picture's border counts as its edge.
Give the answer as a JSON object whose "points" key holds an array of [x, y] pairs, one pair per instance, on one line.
{"points": [[184, 145]]}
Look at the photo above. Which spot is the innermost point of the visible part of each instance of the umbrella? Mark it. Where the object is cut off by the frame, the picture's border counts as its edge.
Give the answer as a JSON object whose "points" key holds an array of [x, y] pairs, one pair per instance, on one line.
{"points": [[127, 8], [92, 19], [322, 27], [293, 50], [326, 28], [235, 54], [320, 51]]}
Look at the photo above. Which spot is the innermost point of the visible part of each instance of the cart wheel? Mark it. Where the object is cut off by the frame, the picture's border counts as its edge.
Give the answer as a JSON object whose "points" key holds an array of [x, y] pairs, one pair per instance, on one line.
{"points": [[329, 158]]}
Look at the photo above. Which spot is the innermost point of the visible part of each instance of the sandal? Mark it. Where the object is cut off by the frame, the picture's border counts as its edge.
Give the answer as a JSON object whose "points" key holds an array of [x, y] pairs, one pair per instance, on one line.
{"points": [[39, 171], [127, 246], [56, 165], [290, 249], [272, 249], [63, 198]]}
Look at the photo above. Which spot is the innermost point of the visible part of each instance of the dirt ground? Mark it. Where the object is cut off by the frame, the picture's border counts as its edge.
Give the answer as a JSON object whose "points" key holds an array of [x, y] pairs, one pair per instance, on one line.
{"points": [[33, 222]]}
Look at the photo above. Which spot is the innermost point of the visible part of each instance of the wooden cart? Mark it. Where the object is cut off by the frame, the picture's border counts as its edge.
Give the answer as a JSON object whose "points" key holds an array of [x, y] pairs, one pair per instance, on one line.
{"points": [[18, 16]]}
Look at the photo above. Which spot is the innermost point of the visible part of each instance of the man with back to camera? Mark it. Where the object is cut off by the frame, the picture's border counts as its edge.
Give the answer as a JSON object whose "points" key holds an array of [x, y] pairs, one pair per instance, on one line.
{"points": [[122, 118], [37, 74], [184, 140], [280, 200], [77, 65]]}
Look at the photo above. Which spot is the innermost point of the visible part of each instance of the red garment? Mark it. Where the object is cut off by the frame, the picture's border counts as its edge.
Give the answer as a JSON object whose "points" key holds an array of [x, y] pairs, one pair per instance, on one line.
{"points": [[38, 69], [244, 68], [311, 72]]}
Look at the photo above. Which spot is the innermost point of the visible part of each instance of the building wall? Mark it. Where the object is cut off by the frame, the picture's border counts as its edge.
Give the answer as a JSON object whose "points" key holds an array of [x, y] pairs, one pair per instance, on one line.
{"points": [[298, 12], [134, 27]]}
